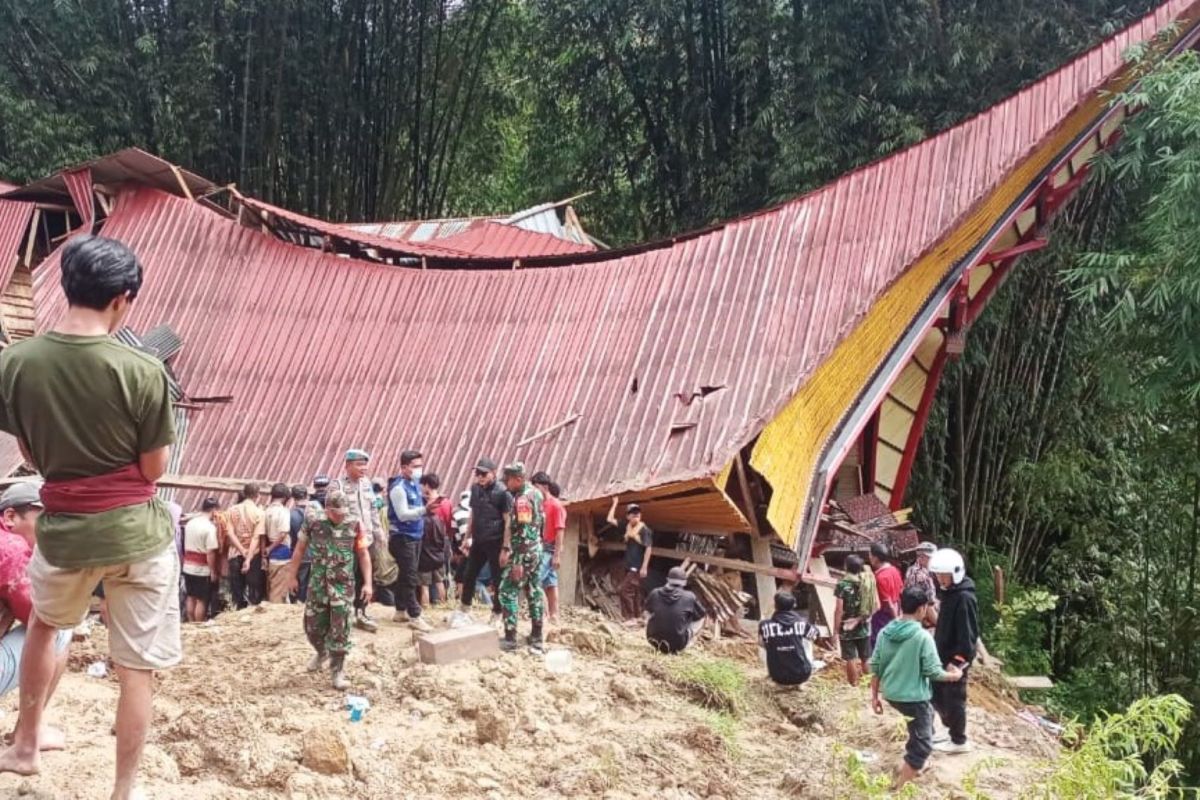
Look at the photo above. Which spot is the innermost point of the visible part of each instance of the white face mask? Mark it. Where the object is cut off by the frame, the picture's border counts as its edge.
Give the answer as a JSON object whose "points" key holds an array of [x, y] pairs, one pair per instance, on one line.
{"points": [[417, 473]]}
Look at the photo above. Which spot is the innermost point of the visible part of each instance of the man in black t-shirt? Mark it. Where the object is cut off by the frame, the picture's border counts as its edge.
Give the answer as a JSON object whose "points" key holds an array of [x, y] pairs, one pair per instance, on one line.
{"points": [[676, 616], [490, 507], [783, 637], [639, 541]]}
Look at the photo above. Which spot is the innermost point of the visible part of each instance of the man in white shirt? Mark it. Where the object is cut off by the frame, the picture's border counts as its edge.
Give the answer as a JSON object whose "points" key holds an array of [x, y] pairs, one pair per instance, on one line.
{"points": [[277, 528], [200, 559]]}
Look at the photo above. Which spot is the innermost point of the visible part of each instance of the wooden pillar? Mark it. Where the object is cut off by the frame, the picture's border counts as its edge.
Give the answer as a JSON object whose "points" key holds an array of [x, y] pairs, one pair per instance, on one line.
{"points": [[568, 565], [760, 547]]}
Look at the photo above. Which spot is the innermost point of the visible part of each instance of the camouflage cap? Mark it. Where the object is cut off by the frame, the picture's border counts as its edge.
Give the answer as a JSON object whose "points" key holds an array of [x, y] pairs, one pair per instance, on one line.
{"points": [[515, 470], [338, 500]]}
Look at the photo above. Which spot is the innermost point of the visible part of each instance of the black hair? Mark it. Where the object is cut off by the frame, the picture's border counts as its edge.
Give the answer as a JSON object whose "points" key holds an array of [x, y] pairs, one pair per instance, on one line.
{"points": [[280, 491], [541, 478], [96, 270], [377, 487], [24, 509], [880, 551], [785, 601], [912, 598], [431, 480], [409, 456], [210, 504], [299, 492], [251, 491], [555, 489], [854, 564]]}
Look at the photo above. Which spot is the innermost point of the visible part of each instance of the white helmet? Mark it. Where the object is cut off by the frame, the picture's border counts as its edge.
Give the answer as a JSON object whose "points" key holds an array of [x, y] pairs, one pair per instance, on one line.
{"points": [[948, 562]]}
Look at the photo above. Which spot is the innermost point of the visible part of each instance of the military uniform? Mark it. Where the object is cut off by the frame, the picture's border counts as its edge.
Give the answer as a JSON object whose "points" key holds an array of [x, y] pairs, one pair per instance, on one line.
{"points": [[362, 510], [331, 595], [526, 541]]}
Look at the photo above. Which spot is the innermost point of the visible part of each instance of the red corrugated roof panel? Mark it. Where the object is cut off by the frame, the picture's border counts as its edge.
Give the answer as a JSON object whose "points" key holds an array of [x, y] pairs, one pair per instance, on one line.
{"points": [[489, 239], [672, 357]]}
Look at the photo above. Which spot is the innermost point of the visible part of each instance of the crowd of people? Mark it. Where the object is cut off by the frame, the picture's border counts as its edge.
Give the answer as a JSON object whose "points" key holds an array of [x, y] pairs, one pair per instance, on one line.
{"points": [[95, 418]]}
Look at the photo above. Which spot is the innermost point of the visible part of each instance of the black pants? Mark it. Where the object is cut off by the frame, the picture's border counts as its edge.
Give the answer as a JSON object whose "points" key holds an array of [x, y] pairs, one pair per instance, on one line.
{"points": [[483, 553], [359, 606], [246, 587], [406, 591], [920, 732], [950, 702], [302, 579]]}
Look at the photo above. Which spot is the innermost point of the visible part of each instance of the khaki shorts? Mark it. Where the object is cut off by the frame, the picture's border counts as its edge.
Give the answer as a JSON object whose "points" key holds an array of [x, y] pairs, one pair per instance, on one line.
{"points": [[143, 605]]}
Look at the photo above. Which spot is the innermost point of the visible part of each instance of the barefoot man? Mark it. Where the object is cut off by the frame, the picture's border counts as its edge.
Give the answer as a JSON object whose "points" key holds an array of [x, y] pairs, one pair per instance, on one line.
{"points": [[94, 417]]}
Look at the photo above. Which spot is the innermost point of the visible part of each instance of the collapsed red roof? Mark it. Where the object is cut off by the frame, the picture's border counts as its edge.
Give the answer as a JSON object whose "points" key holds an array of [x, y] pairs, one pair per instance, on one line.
{"points": [[636, 369]]}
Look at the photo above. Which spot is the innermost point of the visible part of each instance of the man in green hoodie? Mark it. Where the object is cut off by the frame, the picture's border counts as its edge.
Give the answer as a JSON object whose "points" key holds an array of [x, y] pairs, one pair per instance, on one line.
{"points": [[904, 663]]}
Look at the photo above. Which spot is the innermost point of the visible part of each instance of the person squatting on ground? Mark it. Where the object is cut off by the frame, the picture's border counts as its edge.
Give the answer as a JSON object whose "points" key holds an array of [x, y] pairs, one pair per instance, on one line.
{"points": [[556, 523], [521, 559], [357, 487], [406, 528], [201, 552], [337, 543], [904, 663], [639, 544], [676, 617], [94, 416], [786, 639], [486, 530], [852, 619], [956, 634], [20, 507], [246, 524]]}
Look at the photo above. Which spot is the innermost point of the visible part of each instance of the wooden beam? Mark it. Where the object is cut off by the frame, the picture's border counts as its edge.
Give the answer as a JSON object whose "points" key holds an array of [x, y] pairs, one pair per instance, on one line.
{"points": [[568, 567], [823, 583], [571, 418], [764, 584], [1029, 681], [715, 561], [747, 501], [182, 183], [33, 223], [909, 456], [175, 482], [1028, 246]]}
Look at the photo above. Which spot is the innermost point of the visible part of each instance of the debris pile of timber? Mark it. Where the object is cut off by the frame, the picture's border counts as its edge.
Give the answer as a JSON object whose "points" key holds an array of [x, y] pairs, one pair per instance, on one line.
{"points": [[724, 603], [854, 524]]}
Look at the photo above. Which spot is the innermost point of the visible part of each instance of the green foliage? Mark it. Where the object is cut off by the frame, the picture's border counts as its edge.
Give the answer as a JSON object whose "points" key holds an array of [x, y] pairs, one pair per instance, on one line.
{"points": [[718, 683], [1020, 633], [725, 726], [1122, 755], [857, 781]]}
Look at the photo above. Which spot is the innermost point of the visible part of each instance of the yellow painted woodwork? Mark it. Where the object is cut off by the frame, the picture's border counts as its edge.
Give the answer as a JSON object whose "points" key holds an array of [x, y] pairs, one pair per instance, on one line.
{"points": [[790, 446], [927, 350], [1007, 239], [909, 385], [895, 421], [1089, 149], [979, 276], [887, 463], [1026, 220]]}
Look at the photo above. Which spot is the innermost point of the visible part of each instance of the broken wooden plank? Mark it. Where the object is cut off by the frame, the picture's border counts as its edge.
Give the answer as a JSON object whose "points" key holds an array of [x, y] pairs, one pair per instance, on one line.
{"points": [[764, 583], [1029, 681], [820, 572], [715, 561]]}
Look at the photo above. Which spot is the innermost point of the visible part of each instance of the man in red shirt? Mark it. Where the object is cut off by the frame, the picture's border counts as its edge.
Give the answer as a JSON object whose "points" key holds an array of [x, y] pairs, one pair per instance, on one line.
{"points": [[890, 584], [556, 521], [20, 507]]}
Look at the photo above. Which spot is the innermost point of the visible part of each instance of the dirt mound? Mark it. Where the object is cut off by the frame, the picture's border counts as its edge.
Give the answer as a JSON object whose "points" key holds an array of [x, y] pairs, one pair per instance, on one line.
{"points": [[241, 718]]}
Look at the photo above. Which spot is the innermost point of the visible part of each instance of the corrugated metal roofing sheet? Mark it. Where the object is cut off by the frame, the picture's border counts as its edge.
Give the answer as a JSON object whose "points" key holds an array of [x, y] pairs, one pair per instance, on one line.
{"points": [[14, 222], [420, 230], [130, 165], [671, 358], [491, 239]]}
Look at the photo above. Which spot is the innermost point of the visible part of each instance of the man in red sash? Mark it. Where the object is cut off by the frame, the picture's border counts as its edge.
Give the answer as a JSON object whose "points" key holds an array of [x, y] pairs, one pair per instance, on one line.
{"points": [[94, 417]]}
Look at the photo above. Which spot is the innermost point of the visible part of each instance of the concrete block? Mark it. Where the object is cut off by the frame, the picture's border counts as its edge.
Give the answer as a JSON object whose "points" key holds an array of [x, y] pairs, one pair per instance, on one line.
{"points": [[458, 644]]}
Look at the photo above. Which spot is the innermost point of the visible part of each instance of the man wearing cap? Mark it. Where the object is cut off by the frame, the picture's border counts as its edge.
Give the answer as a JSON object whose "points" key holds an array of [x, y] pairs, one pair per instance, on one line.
{"points": [[675, 615], [200, 552], [639, 541], [521, 558], [490, 507], [338, 542], [357, 487], [20, 507], [920, 577]]}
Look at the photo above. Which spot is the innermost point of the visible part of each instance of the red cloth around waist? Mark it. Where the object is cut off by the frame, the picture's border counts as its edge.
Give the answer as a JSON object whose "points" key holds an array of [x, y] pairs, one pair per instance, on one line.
{"points": [[195, 558], [96, 493]]}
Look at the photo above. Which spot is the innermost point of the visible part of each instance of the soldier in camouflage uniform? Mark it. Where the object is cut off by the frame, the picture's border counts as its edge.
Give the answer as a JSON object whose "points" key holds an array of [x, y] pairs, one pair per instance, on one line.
{"points": [[336, 542], [521, 558]]}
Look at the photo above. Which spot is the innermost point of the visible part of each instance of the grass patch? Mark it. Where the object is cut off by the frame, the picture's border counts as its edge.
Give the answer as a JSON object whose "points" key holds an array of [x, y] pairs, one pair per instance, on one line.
{"points": [[726, 727], [716, 683]]}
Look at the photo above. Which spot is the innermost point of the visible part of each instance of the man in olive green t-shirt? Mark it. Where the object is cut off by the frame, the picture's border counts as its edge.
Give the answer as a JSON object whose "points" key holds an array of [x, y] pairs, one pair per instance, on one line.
{"points": [[94, 417]]}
